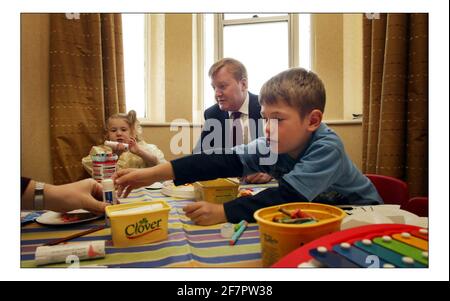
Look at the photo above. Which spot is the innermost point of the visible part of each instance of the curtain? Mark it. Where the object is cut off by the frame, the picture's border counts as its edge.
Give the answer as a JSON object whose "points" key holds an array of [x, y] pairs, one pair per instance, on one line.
{"points": [[395, 105], [86, 86]]}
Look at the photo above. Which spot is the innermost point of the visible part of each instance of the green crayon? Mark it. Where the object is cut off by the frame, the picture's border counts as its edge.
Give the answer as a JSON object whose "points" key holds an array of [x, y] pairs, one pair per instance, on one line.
{"points": [[238, 234], [237, 226]]}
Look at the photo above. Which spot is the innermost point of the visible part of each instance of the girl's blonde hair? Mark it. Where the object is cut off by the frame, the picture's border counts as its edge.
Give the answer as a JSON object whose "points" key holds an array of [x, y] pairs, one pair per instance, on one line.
{"points": [[131, 120]]}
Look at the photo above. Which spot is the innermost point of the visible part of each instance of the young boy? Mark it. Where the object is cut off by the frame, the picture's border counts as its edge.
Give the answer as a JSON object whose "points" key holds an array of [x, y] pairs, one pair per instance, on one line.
{"points": [[311, 164]]}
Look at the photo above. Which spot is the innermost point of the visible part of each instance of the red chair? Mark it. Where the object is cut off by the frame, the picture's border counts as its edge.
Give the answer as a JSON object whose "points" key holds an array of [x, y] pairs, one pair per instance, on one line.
{"points": [[417, 205], [391, 190]]}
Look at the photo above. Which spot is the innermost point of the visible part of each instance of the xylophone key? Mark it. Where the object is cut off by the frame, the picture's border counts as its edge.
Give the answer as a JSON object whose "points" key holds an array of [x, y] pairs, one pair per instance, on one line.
{"points": [[404, 249], [358, 256], [411, 240], [310, 264], [331, 259], [385, 254]]}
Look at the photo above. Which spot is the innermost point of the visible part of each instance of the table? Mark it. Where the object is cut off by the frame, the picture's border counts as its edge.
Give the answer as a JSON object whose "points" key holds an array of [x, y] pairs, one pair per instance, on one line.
{"points": [[188, 245]]}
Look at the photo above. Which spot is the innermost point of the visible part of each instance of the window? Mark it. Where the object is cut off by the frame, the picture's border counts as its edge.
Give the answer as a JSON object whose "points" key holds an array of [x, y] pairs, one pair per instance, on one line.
{"points": [[133, 28], [304, 41], [265, 43], [262, 48], [249, 16]]}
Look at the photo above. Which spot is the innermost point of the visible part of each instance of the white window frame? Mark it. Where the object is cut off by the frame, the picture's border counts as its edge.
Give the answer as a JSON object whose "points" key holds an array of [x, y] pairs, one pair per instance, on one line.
{"points": [[155, 88], [219, 23], [292, 23], [154, 31], [155, 98], [198, 36], [154, 61]]}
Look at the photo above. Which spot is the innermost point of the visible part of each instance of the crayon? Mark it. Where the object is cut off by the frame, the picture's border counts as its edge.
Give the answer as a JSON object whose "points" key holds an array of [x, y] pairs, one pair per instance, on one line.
{"points": [[296, 213], [284, 211], [237, 234], [237, 226], [297, 220]]}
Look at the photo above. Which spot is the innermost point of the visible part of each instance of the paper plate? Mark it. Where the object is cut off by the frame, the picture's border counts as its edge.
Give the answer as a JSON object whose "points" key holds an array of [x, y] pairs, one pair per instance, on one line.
{"points": [[68, 218], [182, 191]]}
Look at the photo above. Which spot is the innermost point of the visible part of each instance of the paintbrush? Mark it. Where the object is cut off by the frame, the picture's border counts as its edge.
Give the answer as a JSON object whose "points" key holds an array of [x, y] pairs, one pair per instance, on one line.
{"points": [[67, 238]]}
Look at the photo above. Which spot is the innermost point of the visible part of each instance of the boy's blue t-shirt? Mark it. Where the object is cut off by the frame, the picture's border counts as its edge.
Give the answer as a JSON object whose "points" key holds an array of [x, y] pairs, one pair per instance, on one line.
{"points": [[322, 172]]}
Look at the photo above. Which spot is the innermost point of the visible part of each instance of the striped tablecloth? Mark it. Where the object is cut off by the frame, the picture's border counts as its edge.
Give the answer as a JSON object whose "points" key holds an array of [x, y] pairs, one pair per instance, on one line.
{"points": [[188, 245]]}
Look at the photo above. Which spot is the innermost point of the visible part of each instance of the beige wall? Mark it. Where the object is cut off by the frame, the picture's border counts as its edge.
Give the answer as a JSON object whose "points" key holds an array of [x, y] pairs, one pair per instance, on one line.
{"points": [[351, 135], [327, 60], [34, 98], [35, 137], [353, 68], [161, 135], [178, 53], [337, 59]]}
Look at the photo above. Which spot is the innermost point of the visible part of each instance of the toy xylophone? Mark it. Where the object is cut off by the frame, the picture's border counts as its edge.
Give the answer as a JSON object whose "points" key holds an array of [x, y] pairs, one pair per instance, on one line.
{"points": [[376, 246]]}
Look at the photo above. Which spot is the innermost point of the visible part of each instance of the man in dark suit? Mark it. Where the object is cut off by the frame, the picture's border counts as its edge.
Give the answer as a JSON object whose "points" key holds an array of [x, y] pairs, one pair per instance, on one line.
{"points": [[235, 118]]}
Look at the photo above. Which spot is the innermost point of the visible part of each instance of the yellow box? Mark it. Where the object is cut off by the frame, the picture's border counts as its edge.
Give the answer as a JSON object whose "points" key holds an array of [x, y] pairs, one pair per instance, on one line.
{"points": [[138, 228], [216, 191], [277, 239]]}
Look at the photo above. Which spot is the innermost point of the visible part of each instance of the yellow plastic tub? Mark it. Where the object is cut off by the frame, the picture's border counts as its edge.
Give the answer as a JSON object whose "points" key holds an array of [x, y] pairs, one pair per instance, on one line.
{"points": [[217, 191], [138, 223], [278, 239]]}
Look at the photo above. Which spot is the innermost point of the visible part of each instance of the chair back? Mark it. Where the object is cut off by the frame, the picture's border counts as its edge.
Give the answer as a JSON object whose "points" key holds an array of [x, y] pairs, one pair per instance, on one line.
{"points": [[417, 205], [391, 190]]}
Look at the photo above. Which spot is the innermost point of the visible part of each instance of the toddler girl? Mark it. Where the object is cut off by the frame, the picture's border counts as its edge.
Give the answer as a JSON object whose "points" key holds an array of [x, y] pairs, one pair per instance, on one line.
{"points": [[132, 152]]}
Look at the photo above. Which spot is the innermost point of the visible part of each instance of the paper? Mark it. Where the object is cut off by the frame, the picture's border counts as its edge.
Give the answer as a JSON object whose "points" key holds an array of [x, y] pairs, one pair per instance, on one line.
{"points": [[70, 252], [380, 214]]}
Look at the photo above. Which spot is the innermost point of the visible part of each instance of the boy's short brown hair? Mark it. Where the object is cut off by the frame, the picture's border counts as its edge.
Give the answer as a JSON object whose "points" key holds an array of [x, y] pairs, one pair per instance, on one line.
{"points": [[233, 66], [300, 89]]}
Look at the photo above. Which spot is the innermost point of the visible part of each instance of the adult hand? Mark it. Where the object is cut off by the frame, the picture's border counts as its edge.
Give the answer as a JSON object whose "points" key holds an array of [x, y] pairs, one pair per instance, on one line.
{"points": [[258, 178], [85, 194], [131, 178], [205, 213]]}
